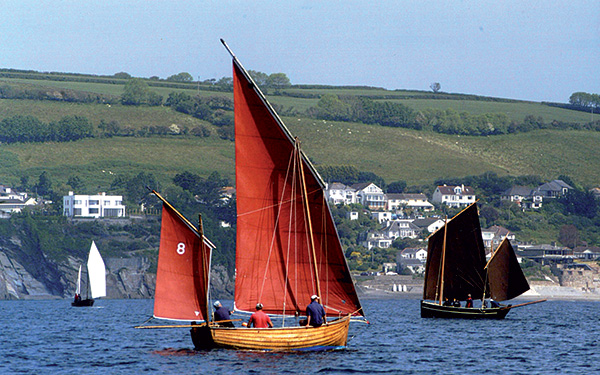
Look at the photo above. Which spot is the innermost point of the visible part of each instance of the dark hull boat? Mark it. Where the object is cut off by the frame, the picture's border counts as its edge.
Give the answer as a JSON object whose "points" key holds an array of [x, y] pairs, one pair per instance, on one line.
{"points": [[456, 269], [83, 302], [435, 310]]}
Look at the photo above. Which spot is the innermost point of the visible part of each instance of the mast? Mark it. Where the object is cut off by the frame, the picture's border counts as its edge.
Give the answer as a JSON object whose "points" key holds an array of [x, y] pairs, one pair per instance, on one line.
{"points": [[309, 226], [443, 263]]}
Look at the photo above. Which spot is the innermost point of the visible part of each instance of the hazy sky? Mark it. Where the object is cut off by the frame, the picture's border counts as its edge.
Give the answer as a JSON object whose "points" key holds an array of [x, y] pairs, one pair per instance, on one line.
{"points": [[532, 50]]}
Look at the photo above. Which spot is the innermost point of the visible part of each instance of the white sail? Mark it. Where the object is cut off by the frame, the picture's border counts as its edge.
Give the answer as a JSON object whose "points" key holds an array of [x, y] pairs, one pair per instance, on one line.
{"points": [[78, 291], [96, 273]]}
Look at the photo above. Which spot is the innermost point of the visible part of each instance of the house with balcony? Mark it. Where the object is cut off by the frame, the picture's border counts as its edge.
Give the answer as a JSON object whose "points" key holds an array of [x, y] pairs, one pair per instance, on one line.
{"points": [[494, 235], [454, 196], [524, 197], [96, 206], [401, 229], [370, 195], [554, 189], [429, 224], [338, 193]]}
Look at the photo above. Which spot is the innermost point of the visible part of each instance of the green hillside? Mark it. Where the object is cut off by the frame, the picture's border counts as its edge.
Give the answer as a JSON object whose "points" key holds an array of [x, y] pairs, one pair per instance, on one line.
{"points": [[418, 157]]}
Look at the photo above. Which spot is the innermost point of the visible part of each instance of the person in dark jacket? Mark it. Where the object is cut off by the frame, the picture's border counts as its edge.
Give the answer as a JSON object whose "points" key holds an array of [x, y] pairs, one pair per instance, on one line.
{"points": [[315, 313], [221, 313], [469, 301]]}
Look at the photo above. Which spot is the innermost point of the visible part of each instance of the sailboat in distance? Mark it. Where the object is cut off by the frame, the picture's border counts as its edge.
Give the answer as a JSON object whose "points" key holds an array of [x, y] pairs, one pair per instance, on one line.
{"points": [[96, 277], [456, 269], [287, 246]]}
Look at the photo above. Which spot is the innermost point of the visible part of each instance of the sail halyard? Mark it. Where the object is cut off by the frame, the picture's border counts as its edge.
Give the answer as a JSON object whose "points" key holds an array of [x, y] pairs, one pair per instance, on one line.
{"points": [[265, 199]]}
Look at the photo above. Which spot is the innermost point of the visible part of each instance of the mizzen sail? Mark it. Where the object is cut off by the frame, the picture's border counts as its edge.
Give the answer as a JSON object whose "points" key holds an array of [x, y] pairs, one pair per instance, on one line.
{"points": [[277, 224], [506, 278], [182, 276]]}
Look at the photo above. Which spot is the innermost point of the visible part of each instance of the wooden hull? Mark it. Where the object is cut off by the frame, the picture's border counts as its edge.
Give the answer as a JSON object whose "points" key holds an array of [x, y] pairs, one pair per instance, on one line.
{"points": [[433, 310], [334, 335], [83, 303]]}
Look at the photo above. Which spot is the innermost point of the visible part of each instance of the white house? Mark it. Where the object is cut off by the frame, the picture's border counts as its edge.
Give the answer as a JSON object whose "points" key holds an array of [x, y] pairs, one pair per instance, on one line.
{"points": [[338, 193], [494, 235], [401, 229], [381, 216], [523, 196], [100, 205], [414, 253], [12, 201], [377, 239], [413, 201], [370, 195], [454, 196], [431, 224]]}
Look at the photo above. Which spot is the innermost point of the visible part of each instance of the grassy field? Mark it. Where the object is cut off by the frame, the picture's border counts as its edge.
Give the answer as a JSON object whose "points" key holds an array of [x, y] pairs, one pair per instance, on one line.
{"points": [[393, 153]]}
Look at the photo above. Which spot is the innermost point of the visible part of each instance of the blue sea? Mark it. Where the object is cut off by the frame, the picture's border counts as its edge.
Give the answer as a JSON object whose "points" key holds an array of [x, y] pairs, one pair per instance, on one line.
{"points": [[51, 337]]}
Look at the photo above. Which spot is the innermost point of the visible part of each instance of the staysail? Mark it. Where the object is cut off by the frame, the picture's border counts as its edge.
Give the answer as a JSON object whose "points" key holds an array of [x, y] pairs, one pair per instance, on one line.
{"points": [[506, 278], [96, 273], [182, 276], [275, 259], [464, 259]]}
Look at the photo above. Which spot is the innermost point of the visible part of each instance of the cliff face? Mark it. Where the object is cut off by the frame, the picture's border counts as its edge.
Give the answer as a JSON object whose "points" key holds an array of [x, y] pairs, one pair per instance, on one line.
{"points": [[33, 276]]}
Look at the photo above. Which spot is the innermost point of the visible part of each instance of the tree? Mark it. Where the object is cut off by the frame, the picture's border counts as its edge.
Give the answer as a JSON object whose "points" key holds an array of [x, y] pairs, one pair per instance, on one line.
{"points": [[259, 78], [278, 81], [181, 77], [568, 236], [396, 187], [435, 86], [138, 92], [44, 185], [122, 75]]}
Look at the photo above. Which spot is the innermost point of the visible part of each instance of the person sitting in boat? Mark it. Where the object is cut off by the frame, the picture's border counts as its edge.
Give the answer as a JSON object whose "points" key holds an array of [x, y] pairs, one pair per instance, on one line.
{"points": [[494, 304], [77, 297], [315, 313], [259, 319], [469, 301], [456, 303], [447, 302], [221, 314]]}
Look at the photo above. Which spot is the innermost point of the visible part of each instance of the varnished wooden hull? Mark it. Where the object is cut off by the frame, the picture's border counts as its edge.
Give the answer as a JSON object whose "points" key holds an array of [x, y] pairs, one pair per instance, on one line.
{"points": [[83, 303], [334, 335], [434, 310]]}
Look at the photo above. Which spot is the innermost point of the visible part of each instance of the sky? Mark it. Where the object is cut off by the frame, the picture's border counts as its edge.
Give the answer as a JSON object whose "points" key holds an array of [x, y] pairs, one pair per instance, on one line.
{"points": [[528, 50]]}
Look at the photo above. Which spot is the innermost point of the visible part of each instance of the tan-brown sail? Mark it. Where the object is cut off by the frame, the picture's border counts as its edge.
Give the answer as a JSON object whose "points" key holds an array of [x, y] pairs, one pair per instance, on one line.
{"points": [[464, 260], [505, 276]]}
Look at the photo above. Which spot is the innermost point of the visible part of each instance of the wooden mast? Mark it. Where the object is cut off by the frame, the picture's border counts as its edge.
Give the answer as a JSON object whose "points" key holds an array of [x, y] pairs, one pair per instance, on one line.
{"points": [[204, 270], [308, 219], [443, 262]]}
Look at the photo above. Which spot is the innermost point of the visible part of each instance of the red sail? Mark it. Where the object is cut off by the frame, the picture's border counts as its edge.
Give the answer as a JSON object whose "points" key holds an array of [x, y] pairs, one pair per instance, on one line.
{"points": [[274, 258], [181, 278]]}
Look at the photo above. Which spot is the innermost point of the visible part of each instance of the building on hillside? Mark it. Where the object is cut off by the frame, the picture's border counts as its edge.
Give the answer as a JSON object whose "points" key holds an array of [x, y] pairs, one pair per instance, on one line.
{"points": [[454, 196], [401, 229], [13, 202], [338, 193], [546, 254], [554, 189], [381, 216], [493, 236], [97, 206], [523, 196], [376, 239], [587, 252], [430, 224], [414, 253], [370, 195], [416, 202]]}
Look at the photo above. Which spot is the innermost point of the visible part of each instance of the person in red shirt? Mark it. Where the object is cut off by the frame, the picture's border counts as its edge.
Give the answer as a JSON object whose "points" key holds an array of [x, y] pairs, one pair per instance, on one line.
{"points": [[259, 319]]}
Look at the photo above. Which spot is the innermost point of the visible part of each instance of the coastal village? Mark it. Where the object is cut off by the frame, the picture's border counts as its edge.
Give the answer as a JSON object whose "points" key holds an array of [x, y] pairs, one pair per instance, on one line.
{"points": [[399, 215]]}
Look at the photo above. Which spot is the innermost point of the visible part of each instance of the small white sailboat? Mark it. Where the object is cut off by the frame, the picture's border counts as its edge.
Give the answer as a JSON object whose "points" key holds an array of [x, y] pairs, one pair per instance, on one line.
{"points": [[96, 286]]}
